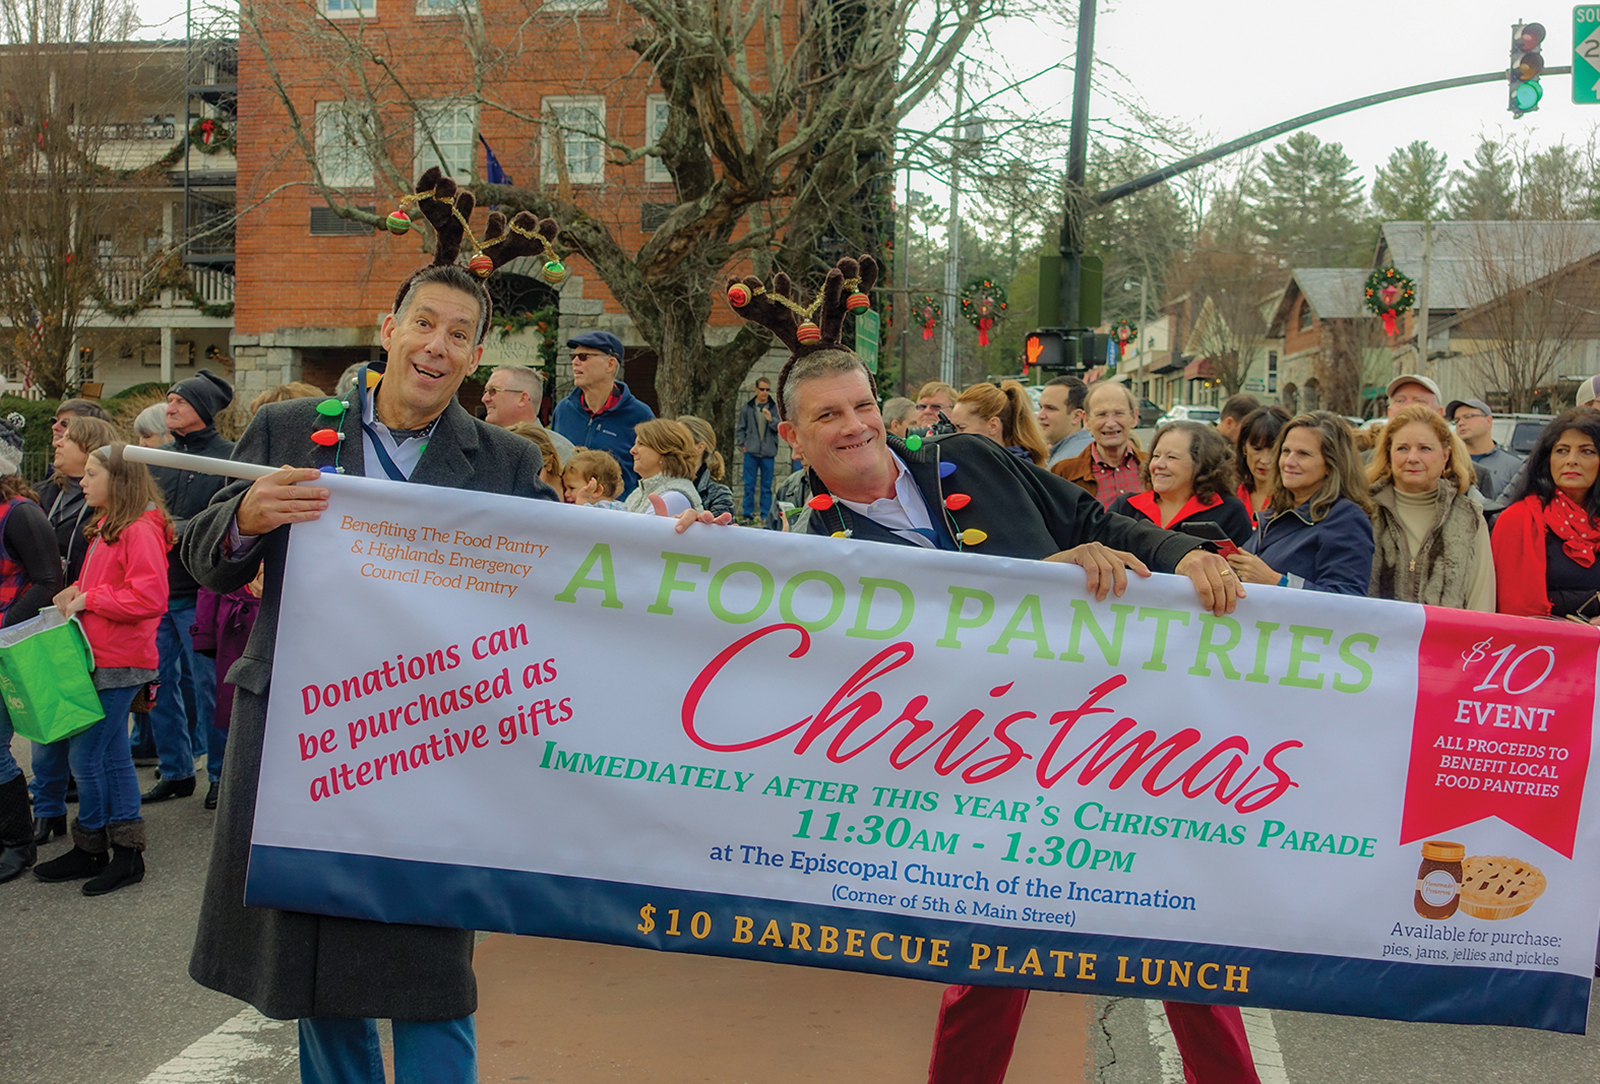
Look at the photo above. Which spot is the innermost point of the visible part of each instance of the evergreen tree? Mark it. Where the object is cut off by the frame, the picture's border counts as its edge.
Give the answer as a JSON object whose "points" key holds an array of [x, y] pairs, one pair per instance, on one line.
{"points": [[1306, 205], [1554, 185], [1483, 190], [1410, 186]]}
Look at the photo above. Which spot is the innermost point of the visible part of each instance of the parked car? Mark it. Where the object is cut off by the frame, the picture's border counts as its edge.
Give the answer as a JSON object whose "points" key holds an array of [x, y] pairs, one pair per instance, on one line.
{"points": [[1184, 412], [1149, 413], [1516, 433]]}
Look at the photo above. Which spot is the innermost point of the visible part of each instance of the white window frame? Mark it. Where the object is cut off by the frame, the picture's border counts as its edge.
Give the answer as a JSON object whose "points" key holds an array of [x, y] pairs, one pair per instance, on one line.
{"points": [[655, 123], [438, 8], [573, 5], [461, 118], [349, 9], [553, 110], [348, 166]]}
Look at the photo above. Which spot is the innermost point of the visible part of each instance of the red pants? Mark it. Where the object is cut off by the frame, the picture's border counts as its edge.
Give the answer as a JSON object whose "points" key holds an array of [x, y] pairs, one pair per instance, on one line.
{"points": [[978, 1027]]}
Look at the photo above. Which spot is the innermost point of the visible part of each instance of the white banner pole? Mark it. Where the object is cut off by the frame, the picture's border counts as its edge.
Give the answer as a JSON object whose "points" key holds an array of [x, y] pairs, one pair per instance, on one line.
{"points": [[159, 457]]}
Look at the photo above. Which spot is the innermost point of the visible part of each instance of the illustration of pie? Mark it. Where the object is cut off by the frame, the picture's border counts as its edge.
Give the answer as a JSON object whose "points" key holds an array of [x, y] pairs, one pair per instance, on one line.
{"points": [[1494, 886]]}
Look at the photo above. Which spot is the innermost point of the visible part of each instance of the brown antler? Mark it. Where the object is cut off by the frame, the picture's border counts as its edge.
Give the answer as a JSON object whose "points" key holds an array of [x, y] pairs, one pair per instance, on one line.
{"points": [[524, 236], [448, 208]]}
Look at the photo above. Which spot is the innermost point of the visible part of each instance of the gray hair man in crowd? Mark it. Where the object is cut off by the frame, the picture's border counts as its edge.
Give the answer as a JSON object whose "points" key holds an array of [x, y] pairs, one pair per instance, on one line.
{"points": [[899, 414], [512, 394]]}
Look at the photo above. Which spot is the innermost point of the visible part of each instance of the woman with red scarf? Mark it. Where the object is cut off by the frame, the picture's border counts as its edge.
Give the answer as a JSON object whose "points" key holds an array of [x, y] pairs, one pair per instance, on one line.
{"points": [[1545, 542]]}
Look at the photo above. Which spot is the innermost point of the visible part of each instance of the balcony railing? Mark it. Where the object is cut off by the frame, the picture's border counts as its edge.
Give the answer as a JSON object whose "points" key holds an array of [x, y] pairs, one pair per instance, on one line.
{"points": [[124, 279]]}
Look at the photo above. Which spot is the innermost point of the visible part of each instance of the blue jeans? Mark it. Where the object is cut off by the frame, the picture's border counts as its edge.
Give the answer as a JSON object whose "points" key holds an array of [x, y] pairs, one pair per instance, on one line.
{"points": [[49, 784], [102, 762], [8, 763], [758, 465], [344, 1050], [175, 732]]}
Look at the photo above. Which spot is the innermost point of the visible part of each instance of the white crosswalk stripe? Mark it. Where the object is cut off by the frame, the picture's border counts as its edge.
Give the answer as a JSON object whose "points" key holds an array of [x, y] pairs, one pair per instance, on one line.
{"points": [[217, 1058], [1257, 1026]]}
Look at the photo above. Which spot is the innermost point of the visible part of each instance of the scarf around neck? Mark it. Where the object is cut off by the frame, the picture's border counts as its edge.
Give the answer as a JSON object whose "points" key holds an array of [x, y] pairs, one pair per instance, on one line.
{"points": [[1578, 533]]}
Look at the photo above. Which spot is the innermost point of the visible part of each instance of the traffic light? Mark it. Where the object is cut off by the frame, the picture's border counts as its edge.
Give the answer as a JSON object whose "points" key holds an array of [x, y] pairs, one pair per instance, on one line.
{"points": [[1055, 349], [1526, 64], [1044, 349]]}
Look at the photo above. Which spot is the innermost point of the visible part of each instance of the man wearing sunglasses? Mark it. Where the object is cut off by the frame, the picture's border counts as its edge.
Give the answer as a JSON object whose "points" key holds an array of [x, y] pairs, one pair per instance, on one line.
{"points": [[601, 412]]}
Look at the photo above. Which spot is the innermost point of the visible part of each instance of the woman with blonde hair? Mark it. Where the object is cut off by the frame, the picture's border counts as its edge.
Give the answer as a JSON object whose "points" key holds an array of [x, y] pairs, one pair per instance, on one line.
{"points": [[1006, 416], [1315, 532], [714, 496], [664, 459], [1432, 544]]}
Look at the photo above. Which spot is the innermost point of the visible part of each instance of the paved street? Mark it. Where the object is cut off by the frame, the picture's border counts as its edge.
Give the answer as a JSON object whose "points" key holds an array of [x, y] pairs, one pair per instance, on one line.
{"points": [[97, 992]]}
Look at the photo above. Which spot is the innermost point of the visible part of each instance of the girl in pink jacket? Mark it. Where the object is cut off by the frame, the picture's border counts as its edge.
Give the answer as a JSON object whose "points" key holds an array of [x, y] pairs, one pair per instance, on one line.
{"points": [[119, 599]]}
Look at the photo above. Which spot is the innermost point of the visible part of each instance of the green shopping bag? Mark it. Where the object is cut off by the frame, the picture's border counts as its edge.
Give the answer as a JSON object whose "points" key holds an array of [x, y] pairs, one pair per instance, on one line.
{"points": [[44, 677]]}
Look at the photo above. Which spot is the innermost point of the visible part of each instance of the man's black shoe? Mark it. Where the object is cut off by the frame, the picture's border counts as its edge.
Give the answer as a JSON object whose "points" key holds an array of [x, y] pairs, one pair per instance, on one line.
{"points": [[211, 795], [169, 788]]}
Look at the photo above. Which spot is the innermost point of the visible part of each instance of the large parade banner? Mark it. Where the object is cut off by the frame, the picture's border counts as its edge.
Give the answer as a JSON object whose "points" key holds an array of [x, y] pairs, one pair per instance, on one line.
{"points": [[510, 715]]}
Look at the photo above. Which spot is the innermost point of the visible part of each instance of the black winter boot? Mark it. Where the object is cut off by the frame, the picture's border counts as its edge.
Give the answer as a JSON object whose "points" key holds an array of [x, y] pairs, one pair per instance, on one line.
{"points": [[127, 859], [87, 857], [17, 850]]}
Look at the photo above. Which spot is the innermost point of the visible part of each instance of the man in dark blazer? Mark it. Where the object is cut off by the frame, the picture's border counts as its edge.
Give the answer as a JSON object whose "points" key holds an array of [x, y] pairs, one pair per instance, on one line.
{"points": [[335, 975]]}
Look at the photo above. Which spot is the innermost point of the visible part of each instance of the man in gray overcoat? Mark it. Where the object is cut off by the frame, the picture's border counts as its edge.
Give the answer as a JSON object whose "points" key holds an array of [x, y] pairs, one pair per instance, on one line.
{"points": [[336, 975]]}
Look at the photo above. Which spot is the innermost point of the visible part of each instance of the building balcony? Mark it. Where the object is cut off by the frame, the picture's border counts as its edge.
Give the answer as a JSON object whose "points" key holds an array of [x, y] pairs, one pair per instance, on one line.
{"points": [[125, 280]]}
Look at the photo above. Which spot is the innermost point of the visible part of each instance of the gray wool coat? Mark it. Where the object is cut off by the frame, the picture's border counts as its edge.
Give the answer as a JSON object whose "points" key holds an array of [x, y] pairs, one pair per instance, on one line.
{"points": [[290, 964]]}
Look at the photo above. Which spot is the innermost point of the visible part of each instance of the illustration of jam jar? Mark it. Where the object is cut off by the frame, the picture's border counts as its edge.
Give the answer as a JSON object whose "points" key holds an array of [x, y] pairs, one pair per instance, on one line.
{"points": [[1439, 879]]}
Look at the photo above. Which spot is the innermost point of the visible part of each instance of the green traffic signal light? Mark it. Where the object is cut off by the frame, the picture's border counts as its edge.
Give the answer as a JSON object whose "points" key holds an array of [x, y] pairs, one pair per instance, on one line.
{"points": [[1526, 65], [1526, 96]]}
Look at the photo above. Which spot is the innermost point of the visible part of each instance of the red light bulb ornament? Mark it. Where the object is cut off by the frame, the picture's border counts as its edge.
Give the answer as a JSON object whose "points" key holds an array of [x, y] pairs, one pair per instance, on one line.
{"points": [[821, 502], [327, 437]]}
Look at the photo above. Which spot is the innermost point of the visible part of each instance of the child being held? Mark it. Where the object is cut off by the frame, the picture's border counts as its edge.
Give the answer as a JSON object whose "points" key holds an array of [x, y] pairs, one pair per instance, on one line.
{"points": [[593, 478]]}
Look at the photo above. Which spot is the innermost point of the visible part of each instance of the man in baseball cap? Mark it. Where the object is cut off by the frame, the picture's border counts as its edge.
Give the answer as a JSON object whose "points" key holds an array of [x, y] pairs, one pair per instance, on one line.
{"points": [[1409, 389], [601, 412], [1496, 466], [1588, 391]]}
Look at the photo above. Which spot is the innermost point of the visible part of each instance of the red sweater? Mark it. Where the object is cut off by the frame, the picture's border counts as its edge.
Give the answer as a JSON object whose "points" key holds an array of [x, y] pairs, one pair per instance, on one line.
{"points": [[125, 593], [1519, 564]]}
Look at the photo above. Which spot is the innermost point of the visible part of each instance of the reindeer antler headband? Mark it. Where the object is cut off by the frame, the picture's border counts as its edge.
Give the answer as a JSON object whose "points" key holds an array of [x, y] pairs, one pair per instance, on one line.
{"points": [[780, 311], [448, 208]]}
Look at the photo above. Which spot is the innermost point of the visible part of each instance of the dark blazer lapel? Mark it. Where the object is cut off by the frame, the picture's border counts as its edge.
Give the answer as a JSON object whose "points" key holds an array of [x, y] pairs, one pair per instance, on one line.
{"points": [[448, 459]]}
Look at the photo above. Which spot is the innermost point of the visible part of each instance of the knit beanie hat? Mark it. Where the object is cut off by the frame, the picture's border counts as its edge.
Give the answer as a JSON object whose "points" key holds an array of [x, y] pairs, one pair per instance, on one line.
{"points": [[207, 392], [11, 443]]}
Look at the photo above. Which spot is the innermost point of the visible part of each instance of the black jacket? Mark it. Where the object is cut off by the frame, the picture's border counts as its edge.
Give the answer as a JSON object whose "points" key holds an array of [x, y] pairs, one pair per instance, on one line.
{"points": [[1025, 511], [62, 502], [186, 493]]}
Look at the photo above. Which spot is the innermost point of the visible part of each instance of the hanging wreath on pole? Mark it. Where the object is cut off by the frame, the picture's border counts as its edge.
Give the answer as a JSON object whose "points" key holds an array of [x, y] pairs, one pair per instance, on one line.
{"points": [[983, 303], [928, 312], [1390, 294], [1124, 331]]}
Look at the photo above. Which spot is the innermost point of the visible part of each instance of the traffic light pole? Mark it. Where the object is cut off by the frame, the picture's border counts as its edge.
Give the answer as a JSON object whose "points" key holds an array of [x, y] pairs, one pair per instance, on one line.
{"points": [[1077, 163], [1139, 184]]}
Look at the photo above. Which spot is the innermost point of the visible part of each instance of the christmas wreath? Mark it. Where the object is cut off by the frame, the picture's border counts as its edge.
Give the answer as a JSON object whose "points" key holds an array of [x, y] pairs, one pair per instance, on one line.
{"points": [[983, 303], [928, 312], [1124, 331], [1388, 294], [211, 136]]}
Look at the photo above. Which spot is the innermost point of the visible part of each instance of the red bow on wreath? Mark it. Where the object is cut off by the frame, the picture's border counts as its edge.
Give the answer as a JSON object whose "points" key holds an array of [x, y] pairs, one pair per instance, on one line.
{"points": [[207, 128]]}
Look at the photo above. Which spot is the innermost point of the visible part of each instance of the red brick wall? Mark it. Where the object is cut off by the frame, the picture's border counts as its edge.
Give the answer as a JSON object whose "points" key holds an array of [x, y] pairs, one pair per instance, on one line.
{"points": [[290, 279]]}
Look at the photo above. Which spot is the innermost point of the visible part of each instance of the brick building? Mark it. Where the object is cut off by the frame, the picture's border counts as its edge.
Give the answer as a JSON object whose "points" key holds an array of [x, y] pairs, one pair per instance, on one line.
{"points": [[314, 287]]}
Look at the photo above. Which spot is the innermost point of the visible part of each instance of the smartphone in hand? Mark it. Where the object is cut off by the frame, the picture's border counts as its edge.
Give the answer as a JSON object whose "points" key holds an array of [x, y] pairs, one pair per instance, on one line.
{"points": [[1210, 532]]}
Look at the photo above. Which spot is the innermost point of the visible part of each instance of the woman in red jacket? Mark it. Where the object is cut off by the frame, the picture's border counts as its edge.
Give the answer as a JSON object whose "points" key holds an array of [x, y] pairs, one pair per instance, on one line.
{"points": [[1546, 541], [119, 597]]}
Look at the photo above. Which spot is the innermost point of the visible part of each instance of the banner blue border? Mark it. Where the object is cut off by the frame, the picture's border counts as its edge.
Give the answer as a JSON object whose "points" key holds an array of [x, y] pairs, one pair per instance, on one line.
{"points": [[583, 909]]}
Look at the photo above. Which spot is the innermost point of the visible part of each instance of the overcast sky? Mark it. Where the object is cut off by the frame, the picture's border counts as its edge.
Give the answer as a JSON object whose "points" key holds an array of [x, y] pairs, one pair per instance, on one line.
{"points": [[1228, 67]]}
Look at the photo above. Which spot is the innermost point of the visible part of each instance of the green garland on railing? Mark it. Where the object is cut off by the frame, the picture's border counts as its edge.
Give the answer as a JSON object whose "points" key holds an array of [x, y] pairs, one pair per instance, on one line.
{"points": [[170, 277]]}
